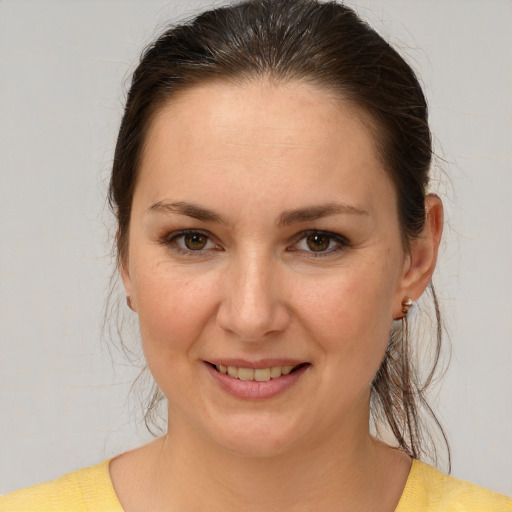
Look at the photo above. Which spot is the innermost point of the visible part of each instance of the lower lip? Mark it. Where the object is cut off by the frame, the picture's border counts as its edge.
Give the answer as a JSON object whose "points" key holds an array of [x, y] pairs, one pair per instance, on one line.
{"points": [[252, 389]]}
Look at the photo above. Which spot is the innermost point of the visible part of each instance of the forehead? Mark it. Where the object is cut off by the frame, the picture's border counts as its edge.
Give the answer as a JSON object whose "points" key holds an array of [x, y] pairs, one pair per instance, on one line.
{"points": [[289, 138]]}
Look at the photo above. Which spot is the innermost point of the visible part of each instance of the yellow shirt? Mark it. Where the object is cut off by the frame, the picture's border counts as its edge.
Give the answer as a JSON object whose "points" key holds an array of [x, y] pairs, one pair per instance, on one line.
{"points": [[90, 490]]}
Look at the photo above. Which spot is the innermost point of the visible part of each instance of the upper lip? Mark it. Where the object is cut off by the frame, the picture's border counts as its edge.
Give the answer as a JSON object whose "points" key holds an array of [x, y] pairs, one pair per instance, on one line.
{"points": [[259, 363]]}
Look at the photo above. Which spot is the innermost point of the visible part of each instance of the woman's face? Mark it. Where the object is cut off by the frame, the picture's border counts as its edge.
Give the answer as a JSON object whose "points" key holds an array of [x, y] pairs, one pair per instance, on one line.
{"points": [[264, 237]]}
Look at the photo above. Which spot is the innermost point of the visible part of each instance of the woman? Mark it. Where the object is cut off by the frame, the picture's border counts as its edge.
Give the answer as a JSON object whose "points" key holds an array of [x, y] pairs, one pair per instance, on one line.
{"points": [[270, 183]]}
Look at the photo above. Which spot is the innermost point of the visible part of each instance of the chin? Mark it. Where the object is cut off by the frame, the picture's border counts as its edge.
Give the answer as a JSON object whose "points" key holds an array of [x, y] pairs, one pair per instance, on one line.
{"points": [[255, 437]]}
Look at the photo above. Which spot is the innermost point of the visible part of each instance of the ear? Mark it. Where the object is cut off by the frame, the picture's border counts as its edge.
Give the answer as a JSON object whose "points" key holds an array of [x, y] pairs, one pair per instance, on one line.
{"points": [[127, 283], [421, 261]]}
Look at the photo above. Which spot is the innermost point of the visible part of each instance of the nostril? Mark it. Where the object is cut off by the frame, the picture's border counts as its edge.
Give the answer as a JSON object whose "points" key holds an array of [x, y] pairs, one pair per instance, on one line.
{"points": [[249, 322]]}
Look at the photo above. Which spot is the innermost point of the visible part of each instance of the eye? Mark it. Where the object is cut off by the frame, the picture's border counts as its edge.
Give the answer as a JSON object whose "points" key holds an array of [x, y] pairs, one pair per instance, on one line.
{"points": [[194, 241], [320, 243], [190, 241]]}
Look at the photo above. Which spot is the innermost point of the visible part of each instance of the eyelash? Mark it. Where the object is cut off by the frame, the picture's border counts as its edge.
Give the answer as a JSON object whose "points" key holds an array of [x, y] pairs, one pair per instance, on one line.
{"points": [[340, 242], [171, 241]]}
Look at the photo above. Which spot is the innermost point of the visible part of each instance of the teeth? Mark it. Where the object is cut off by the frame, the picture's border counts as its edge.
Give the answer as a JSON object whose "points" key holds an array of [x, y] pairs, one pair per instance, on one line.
{"points": [[262, 375], [245, 373], [275, 372], [287, 369], [259, 374]]}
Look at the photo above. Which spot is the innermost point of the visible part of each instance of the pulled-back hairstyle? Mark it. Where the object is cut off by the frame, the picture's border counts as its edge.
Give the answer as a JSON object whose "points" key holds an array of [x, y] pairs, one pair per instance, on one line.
{"points": [[325, 44]]}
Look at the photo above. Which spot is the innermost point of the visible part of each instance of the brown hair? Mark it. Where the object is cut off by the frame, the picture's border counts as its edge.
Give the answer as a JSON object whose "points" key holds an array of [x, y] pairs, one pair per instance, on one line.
{"points": [[324, 43]]}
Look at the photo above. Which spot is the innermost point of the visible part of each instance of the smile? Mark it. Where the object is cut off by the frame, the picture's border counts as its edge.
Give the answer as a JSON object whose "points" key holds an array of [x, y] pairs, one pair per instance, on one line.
{"points": [[264, 380], [256, 374]]}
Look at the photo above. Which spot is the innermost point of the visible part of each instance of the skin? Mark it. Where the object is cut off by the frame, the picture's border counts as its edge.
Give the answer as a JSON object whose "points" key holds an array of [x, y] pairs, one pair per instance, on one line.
{"points": [[254, 155]]}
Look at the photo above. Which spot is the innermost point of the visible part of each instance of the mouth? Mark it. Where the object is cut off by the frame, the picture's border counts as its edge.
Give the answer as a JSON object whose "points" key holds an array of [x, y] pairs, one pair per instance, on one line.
{"points": [[257, 380], [257, 374]]}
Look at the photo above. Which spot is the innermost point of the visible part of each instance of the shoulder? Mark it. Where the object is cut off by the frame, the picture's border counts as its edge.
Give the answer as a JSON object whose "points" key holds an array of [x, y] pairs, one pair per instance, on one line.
{"points": [[429, 490], [86, 490]]}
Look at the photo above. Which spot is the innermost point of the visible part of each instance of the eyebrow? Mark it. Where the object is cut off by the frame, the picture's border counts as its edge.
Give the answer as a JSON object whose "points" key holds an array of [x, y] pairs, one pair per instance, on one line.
{"points": [[287, 218], [188, 209], [317, 212]]}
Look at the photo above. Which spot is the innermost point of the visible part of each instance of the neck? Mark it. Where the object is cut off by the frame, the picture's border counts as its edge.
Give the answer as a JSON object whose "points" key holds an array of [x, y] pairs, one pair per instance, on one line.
{"points": [[345, 471]]}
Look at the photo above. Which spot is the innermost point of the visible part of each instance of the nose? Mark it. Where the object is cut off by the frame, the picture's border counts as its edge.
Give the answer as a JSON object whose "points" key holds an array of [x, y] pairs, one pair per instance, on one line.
{"points": [[253, 307]]}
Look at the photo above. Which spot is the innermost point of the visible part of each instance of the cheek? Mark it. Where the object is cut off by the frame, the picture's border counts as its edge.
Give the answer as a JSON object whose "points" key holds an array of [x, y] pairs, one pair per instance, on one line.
{"points": [[350, 313], [173, 312]]}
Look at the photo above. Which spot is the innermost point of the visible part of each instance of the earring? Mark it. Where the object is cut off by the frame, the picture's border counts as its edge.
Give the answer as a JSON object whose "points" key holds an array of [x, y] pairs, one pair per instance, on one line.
{"points": [[407, 304], [129, 302]]}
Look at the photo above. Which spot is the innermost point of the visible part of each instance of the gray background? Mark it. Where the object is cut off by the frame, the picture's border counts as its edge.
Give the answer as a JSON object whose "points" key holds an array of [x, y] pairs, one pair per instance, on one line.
{"points": [[63, 403]]}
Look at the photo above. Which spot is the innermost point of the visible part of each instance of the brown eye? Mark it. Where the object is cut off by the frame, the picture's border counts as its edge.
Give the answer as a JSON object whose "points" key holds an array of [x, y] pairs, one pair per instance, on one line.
{"points": [[318, 242], [195, 241], [190, 242]]}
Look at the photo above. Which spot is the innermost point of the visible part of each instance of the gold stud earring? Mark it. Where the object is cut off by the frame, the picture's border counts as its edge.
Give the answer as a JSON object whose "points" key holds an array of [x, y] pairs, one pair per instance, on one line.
{"points": [[407, 303]]}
